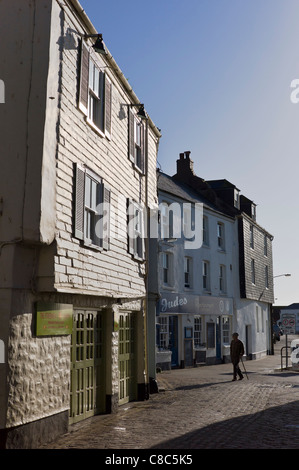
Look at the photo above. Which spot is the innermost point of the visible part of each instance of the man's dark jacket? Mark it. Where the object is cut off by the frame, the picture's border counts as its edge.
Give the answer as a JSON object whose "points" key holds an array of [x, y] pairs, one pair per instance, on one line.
{"points": [[236, 350]]}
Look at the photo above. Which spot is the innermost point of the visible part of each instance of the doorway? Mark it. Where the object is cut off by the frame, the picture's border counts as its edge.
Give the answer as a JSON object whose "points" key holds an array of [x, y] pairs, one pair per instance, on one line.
{"points": [[173, 340], [127, 363], [87, 366]]}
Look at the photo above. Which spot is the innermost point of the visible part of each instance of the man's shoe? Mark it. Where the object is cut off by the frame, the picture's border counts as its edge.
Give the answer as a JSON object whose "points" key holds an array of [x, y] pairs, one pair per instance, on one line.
{"points": [[234, 380], [241, 378]]}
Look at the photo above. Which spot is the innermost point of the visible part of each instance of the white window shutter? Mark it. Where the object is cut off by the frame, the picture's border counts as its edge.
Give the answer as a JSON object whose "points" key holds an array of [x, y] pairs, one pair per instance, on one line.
{"points": [[130, 226], [106, 217], [84, 79], [131, 136], [108, 106]]}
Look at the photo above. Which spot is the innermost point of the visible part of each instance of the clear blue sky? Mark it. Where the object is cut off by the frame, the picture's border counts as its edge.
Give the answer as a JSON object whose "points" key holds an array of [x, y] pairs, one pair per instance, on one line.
{"points": [[215, 76]]}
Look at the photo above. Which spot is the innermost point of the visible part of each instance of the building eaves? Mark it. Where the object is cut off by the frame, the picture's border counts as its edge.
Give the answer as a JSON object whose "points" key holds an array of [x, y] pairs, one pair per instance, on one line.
{"points": [[90, 29], [180, 190], [253, 222]]}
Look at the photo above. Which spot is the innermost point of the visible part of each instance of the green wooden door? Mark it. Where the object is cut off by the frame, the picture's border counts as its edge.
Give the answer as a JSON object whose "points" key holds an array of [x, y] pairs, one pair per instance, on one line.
{"points": [[87, 366], [127, 368]]}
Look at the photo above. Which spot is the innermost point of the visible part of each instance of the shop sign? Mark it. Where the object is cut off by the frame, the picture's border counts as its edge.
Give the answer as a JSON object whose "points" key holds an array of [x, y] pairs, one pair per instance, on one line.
{"points": [[53, 319], [194, 304]]}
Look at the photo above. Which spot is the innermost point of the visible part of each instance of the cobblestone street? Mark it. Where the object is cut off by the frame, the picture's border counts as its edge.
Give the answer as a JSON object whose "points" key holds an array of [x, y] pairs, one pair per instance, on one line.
{"points": [[201, 408]]}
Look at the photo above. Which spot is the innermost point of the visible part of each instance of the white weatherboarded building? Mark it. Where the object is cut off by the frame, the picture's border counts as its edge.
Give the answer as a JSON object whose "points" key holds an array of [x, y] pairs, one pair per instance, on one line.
{"points": [[76, 157]]}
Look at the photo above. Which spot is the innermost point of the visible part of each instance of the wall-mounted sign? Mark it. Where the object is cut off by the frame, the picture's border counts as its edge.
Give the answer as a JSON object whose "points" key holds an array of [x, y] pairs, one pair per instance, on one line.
{"points": [[194, 304], [53, 319]]}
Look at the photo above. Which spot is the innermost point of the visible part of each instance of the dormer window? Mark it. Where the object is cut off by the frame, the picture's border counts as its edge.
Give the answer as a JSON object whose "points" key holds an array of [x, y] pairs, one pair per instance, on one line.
{"points": [[236, 199]]}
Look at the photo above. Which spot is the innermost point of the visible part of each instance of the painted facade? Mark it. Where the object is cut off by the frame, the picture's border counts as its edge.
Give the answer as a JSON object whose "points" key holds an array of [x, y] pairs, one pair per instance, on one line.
{"points": [[225, 285], [195, 310]]}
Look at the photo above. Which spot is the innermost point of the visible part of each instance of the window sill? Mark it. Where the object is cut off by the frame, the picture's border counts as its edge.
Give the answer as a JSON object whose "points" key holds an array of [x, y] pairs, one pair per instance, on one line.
{"points": [[139, 170], [167, 287], [95, 128], [89, 245], [137, 258]]}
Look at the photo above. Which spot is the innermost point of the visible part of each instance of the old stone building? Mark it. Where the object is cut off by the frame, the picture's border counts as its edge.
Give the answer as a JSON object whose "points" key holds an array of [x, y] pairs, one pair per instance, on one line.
{"points": [[78, 155]]}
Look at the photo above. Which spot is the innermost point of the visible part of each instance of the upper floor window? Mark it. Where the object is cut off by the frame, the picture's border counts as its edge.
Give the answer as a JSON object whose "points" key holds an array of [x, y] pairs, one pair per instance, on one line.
{"points": [[136, 141], [220, 236], [205, 230], [188, 271], [166, 225], [265, 245], [266, 277], [251, 237], [206, 275], [92, 209], [222, 278], [95, 94], [167, 268], [236, 198], [136, 230], [252, 267]]}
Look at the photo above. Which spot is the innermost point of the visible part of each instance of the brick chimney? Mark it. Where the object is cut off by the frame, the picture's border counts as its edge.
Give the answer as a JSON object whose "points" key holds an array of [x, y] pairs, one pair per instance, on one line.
{"points": [[184, 166]]}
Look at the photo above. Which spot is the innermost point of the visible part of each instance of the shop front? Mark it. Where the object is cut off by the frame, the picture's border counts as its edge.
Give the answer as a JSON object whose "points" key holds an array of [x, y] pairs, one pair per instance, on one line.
{"points": [[193, 330]]}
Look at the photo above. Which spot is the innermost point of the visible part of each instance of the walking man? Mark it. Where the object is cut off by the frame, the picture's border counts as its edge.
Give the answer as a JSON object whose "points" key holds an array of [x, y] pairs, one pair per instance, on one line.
{"points": [[236, 353]]}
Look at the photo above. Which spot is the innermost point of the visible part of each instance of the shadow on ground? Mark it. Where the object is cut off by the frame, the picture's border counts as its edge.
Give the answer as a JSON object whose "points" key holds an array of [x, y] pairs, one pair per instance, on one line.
{"points": [[273, 428]]}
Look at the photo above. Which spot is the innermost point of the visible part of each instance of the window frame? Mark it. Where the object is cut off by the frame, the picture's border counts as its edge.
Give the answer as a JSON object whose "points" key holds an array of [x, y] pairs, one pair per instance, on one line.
{"points": [[266, 276], [265, 246], [188, 268], [88, 94], [226, 327], [198, 331], [136, 230], [251, 228], [206, 276], [220, 236], [97, 214], [222, 278], [136, 146], [167, 268], [252, 271], [163, 339], [205, 231]]}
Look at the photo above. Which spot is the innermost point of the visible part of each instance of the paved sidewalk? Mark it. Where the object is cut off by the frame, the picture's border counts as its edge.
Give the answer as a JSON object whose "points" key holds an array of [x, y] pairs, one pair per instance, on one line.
{"points": [[201, 408]]}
